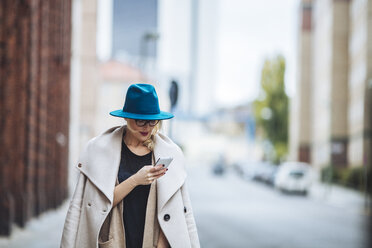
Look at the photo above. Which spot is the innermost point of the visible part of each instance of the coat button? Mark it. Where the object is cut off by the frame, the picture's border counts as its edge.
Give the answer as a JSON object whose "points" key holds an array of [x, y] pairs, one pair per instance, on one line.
{"points": [[89, 204], [166, 217], [184, 209], [79, 165]]}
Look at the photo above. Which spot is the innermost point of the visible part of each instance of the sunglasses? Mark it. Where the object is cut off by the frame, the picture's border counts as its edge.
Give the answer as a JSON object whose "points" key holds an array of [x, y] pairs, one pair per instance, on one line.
{"points": [[142, 123]]}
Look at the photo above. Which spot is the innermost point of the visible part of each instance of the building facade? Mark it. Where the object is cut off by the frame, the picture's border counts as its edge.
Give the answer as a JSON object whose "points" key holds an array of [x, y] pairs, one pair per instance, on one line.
{"points": [[300, 113], [331, 123], [34, 108], [360, 83]]}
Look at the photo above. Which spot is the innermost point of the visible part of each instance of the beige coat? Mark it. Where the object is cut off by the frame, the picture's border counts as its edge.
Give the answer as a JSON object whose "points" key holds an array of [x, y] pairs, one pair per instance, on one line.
{"points": [[91, 218]]}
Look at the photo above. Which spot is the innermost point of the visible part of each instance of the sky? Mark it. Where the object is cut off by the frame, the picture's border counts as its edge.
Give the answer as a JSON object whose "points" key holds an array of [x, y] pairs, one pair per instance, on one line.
{"points": [[249, 32]]}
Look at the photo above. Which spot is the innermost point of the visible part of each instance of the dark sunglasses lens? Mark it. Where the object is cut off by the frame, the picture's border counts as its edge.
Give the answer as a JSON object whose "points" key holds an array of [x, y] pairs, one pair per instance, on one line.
{"points": [[153, 122], [140, 123]]}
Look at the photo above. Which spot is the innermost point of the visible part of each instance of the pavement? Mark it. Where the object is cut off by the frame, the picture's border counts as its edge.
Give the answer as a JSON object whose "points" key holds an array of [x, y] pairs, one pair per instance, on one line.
{"points": [[42, 232], [341, 197]]}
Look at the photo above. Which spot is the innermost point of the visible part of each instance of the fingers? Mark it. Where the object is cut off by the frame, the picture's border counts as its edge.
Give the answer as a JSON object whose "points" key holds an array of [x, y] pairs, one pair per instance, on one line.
{"points": [[150, 177], [151, 173], [150, 180], [160, 175], [157, 173], [156, 168]]}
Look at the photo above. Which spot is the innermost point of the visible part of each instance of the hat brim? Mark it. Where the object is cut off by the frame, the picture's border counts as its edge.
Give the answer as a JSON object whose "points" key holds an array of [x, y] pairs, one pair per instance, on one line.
{"points": [[161, 116]]}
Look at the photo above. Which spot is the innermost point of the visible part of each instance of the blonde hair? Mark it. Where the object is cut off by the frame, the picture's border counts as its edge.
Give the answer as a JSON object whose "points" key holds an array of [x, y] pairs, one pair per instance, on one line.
{"points": [[150, 143]]}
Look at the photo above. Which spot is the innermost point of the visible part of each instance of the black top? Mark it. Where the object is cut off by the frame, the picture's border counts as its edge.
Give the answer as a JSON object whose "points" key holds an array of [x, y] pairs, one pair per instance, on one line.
{"points": [[135, 202]]}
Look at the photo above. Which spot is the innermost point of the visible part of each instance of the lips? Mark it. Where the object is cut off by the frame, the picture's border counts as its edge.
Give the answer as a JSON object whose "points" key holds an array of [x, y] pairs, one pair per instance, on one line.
{"points": [[144, 133]]}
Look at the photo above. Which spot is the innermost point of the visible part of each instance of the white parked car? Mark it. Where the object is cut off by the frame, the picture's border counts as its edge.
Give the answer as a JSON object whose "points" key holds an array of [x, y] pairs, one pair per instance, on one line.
{"points": [[294, 177], [254, 170]]}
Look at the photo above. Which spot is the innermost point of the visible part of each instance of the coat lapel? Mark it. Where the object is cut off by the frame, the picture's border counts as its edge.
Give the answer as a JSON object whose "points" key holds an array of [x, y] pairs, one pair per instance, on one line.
{"points": [[168, 184], [100, 160]]}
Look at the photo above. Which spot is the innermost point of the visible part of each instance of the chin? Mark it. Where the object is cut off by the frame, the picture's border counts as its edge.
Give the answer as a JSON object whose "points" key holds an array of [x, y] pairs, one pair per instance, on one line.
{"points": [[144, 138]]}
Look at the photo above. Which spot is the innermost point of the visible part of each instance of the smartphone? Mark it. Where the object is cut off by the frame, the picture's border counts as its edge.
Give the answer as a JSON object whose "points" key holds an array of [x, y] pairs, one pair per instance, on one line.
{"points": [[165, 161]]}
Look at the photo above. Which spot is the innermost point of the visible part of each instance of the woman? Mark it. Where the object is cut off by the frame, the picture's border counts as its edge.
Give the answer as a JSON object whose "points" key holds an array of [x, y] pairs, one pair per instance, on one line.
{"points": [[121, 199]]}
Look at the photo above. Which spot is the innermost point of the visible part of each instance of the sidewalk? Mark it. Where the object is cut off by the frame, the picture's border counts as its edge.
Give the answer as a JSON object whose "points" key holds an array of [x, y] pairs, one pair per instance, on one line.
{"points": [[339, 196], [42, 232]]}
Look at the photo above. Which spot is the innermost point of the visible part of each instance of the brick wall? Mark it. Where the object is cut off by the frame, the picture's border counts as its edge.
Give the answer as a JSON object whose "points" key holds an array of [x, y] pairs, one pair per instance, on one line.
{"points": [[34, 107]]}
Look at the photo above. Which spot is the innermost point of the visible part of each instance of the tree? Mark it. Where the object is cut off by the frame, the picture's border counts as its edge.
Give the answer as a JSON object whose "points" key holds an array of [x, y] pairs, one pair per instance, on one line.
{"points": [[271, 108]]}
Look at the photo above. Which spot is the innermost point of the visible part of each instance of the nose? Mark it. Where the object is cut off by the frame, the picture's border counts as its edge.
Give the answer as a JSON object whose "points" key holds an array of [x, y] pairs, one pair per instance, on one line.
{"points": [[146, 126]]}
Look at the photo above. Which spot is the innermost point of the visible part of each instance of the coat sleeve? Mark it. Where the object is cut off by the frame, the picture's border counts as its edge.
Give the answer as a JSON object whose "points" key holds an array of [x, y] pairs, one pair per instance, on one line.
{"points": [[73, 214], [191, 225]]}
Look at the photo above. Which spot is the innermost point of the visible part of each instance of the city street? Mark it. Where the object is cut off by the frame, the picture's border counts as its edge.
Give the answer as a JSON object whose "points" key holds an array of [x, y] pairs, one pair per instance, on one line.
{"points": [[234, 213], [254, 99], [231, 212]]}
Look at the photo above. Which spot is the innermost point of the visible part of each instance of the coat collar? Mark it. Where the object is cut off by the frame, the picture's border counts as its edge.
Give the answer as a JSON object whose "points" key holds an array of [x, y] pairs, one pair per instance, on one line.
{"points": [[168, 184], [100, 161]]}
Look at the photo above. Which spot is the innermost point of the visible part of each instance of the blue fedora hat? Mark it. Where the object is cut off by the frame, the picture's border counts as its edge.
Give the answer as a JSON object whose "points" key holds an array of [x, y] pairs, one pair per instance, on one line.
{"points": [[141, 103]]}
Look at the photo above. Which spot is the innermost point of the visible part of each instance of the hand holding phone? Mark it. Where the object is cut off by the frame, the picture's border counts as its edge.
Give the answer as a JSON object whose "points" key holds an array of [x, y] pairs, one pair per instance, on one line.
{"points": [[164, 161]]}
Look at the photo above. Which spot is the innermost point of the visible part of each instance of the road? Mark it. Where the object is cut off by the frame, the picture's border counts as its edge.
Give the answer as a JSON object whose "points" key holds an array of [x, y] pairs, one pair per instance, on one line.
{"points": [[231, 212]]}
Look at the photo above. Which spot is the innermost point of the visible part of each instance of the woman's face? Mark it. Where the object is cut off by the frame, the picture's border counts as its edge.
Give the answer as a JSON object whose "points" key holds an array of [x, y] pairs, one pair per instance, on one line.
{"points": [[140, 133]]}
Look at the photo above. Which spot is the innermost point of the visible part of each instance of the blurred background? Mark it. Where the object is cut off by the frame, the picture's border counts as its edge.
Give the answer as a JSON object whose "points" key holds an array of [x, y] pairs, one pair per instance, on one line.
{"points": [[273, 103]]}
